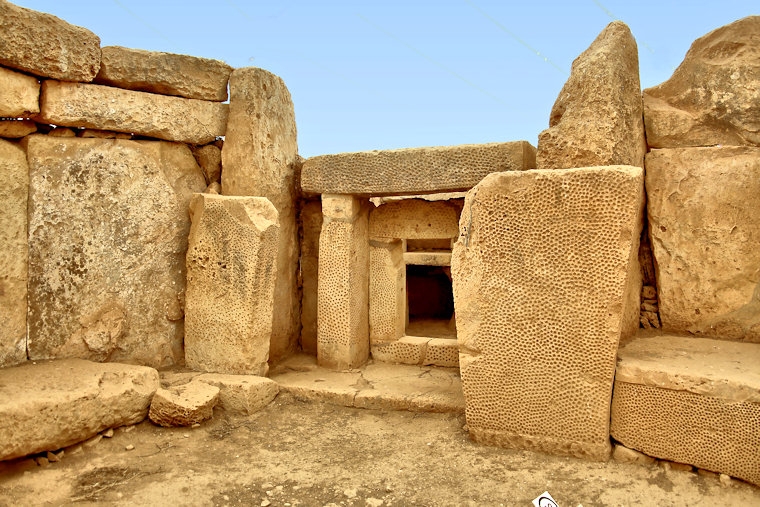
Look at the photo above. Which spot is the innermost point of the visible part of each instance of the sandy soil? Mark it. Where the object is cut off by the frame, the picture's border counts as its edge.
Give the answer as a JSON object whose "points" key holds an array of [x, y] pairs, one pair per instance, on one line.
{"points": [[297, 453]]}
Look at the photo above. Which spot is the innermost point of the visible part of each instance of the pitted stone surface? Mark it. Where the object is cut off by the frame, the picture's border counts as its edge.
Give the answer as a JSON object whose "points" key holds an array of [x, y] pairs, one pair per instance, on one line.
{"points": [[14, 190], [47, 46], [108, 226], [597, 118], [705, 230], [230, 284], [712, 97], [164, 73], [413, 170], [560, 239], [241, 394], [387, 291], [442, 352], [415, 219], [54, 404], [184, 405], [105, 108], [19, 94], [406, 350]]}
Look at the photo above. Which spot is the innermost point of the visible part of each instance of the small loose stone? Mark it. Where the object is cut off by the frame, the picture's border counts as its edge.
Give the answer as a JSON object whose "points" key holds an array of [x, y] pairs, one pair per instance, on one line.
{"points": [[130, 447], [108, 433]]}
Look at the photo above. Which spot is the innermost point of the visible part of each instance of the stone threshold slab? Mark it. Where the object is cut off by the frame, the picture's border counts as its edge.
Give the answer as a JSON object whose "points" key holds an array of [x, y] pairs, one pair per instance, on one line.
{"points": [[379, 386]]}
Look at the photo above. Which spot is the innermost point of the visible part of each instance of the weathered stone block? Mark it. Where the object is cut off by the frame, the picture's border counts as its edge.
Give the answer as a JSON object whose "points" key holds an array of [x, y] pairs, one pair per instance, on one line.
{"points": [[260, 158], [415, 219], [108, 226], [15, 129], [184, 405], [560, 239], [387, 291], [705, 229], [19, 94], [50, 405], [311, 224], [690, 400], [343, 329], [14, 172], [597, 118], [45, 45], [230, 284], [442, 352], [147, 114], [164, 73], [209, 157], [413, 170], [712, 97], [406, 350], [242, 394]]}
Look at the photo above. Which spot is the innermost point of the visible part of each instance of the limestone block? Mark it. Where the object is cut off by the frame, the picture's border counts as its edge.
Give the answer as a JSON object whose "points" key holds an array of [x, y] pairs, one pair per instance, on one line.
{"points": [[147, 114], [260, 157], [560, 239], [712, 97], [311, 225], [387, 291], [230, 284], [705, 229], [343, 290], [14, 172], [50, 405], [406, 350], [209, 157], [428, 258], [14, 129], [597, 118], [415, 219], [184, 405], [242, 394], [442, 352], [45, 45], [690, 400], [108, 226], [413, 170], [102, 134], [164, 73], [19, 94]]}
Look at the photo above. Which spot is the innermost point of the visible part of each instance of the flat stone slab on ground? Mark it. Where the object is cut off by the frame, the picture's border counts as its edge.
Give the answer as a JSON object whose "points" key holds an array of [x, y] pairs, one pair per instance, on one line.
{"points": [[184, 405], [53, 404], [242, 394]]}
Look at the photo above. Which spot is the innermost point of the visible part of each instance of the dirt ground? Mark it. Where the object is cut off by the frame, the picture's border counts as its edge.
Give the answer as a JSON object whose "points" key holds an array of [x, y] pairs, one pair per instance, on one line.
{"points": [[296, 453]]}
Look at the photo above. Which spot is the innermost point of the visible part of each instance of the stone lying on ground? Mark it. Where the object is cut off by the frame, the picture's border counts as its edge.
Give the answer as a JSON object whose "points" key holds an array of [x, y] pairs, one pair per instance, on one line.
{"points": [[560, 239], [597, 118], [50, 405], [260, 157], [13, 254], [230, 283], [241, 394], [147, 114], [413, 170], [47, 46], [625, 455], [19, 94], [705, 229], [108, 226], [690, 400], [15, 129], [184, 405], [712, 97], [164, 73]]}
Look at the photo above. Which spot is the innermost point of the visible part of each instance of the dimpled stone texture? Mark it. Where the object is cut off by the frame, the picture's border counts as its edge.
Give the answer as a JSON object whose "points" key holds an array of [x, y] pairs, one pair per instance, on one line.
{"points": [[387, 291], [442, 352], [14, 190], [407, 350], [564, 240], [230, 284], [104, 108], [415, 219], [164, 73], [413, 170], [705, 230], [47, 46], [108, 226]]}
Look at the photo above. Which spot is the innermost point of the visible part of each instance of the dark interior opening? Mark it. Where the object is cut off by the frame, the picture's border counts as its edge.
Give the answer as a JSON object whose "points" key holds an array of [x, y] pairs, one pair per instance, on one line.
{"points": [[430, 301]]}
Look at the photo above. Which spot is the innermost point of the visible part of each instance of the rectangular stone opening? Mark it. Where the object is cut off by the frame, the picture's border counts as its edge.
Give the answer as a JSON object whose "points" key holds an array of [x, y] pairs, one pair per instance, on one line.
{"points": [[430, 301]]}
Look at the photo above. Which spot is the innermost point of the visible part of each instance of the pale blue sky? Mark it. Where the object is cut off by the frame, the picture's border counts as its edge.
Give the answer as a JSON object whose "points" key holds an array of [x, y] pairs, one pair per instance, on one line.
{"points": [[390, 74]]}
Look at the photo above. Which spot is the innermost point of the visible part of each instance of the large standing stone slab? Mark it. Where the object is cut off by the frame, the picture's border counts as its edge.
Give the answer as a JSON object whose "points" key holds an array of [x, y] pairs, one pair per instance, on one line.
{"points": [[47, 46], [108, 226], [597, 118], [50, 405], [14, 173], [703, 212], [260, 157], [19, 94], [413, 170], [311, 226], [541, 273], [105, 108], [713, 96], [343, 300], [164, 73], [230, 284]]}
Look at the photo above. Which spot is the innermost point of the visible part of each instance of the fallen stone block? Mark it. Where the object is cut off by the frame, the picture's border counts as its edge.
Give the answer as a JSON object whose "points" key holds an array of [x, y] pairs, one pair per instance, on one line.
{"points": [[242, 394], [54, 404], [19, 94], [183, 405]]}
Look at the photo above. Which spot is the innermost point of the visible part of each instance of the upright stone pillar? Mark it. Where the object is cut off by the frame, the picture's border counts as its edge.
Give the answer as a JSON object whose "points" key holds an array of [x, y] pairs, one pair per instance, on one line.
{"points": [[343, 293], [260, 158]]}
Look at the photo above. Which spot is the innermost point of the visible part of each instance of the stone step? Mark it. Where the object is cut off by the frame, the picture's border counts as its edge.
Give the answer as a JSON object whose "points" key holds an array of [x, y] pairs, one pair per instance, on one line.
{"points": [[691, 400]]}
